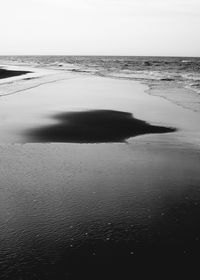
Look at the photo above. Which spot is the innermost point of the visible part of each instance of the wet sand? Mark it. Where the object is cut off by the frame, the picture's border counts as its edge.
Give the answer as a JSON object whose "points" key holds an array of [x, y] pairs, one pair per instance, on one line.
{"points": [[98, 211]]}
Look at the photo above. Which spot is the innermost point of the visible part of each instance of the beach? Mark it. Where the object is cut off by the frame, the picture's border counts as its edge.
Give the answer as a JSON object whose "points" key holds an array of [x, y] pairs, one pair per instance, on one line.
{"points": [[96, 204]]}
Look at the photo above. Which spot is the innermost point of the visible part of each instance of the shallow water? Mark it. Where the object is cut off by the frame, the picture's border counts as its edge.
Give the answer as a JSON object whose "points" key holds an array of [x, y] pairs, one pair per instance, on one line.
{"points": [[92, 126]]}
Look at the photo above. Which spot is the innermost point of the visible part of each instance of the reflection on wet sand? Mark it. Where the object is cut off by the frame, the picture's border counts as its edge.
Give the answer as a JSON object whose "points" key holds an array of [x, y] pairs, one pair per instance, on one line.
{"points": [[94, 127]]}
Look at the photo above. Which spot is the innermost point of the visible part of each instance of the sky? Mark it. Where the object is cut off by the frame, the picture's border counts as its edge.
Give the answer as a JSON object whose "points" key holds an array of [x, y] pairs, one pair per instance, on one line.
{"points": [[100, 27]]}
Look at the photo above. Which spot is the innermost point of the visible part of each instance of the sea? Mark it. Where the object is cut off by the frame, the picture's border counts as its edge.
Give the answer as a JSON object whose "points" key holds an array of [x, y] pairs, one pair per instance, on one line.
{"points": [[174, 78]]}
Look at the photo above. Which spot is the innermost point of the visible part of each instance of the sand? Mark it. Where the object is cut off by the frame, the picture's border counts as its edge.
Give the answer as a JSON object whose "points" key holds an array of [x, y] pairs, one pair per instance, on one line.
{"points": [[97, 210]]}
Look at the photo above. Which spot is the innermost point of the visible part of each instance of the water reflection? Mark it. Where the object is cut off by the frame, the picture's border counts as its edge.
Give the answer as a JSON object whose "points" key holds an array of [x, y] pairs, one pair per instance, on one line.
{"points": [[93, 127]]}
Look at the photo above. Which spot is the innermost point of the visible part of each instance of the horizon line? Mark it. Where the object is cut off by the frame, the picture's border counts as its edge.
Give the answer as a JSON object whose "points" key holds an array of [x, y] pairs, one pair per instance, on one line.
{"points": [[101, 55]]}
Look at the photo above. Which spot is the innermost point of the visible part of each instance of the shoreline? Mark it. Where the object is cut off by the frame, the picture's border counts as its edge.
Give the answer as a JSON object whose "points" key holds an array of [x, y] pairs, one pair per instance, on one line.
{"points": [[178, 94]]}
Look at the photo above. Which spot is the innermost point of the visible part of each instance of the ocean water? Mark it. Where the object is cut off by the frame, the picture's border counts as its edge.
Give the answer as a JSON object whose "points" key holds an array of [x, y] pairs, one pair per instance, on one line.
{"points": [[174, 78]]}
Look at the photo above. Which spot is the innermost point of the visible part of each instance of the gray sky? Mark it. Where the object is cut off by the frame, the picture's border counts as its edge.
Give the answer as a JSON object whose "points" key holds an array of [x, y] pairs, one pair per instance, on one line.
{"points": [[104, 27]]}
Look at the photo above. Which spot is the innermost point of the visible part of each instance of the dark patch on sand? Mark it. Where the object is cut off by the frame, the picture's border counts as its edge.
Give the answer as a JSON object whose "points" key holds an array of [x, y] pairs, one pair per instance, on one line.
{"points": [[30, 78], [94, 126], [167, 79], [4, 73]]}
